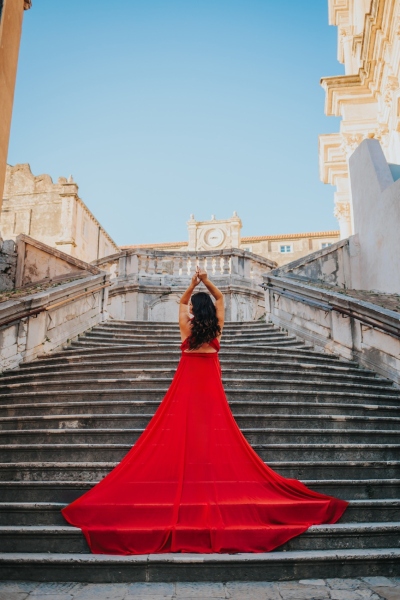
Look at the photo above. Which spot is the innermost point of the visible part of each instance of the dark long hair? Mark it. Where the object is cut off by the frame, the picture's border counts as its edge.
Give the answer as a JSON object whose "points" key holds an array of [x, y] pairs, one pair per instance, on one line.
{"points": [[205, 323]]}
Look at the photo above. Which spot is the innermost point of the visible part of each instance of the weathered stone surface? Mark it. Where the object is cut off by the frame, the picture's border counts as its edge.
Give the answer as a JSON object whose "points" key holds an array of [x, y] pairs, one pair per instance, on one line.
{"points": [[355, 589], [52, 213], [158, 591], [206, 590], [295, 591], [111, 591], [388, 593]]}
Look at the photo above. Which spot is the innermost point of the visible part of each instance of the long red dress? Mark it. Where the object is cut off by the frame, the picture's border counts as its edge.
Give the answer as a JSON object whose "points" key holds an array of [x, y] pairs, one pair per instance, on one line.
{"points": [[192, 483]]}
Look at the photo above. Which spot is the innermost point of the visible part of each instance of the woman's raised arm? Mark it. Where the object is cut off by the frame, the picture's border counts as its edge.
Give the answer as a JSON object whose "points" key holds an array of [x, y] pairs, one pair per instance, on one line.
{"points": [[184, 318], [218, 295]]}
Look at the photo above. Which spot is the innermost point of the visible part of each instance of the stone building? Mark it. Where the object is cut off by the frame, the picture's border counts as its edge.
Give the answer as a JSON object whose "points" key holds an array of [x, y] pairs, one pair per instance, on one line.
{"points": [[52, 213], [225, 233], [366, 97]]}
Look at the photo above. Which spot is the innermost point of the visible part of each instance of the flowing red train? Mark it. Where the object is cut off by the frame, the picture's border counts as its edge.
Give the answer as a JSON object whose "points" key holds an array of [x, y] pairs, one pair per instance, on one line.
{"points": [[192, 483]]}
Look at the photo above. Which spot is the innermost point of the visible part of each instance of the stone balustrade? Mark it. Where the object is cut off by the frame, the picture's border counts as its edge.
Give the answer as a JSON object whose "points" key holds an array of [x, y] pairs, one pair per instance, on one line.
{"points": [[147, 284]]}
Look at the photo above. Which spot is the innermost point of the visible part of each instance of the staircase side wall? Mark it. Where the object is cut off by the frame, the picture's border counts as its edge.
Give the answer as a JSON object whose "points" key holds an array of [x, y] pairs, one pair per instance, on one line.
{"points": [[41, 323], [310, 315]]}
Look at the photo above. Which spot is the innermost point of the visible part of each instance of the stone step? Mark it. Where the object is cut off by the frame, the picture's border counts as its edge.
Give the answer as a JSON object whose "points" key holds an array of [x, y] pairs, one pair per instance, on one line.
{"points": [[272, 566], [48, 513], [175, 337], [255, 435], [151, 324], [66, 449], [156, 325], [290, 342], [228, 332], [262, 374], [132, 420], [233, 393], [251, 355], [67, 539], [310, 415], [311, 406], [67, 491], [124, 368], [94, 471], [143, 381]]}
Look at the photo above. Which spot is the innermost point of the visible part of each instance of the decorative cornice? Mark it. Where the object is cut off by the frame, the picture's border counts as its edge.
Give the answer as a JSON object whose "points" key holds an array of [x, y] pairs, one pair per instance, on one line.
{"points": [[344, 87], [27, 4]]}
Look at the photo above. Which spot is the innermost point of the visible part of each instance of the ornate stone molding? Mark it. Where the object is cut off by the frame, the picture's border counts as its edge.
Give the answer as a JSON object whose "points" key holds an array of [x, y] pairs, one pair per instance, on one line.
{"points": [[350, 141], [392, 84], [27, 4], [342, 211]]}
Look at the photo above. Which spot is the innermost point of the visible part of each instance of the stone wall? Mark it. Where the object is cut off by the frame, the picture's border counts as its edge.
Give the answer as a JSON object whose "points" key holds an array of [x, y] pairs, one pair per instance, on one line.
{"points": [[37, 262], [36, 325], [376, 207], [8, 264], [52, 213], [336, 323], [336, 265]]}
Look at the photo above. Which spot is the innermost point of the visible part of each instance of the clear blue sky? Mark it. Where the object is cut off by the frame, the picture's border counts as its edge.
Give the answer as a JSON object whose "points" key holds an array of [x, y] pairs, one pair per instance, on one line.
{"points": [[162, 108]]}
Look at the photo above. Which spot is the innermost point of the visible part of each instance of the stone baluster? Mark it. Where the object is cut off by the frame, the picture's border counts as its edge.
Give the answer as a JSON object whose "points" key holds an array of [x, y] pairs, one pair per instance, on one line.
{"points": [[142, 264], [157, 265], [150, 265], [176, 266], [222, 263]]}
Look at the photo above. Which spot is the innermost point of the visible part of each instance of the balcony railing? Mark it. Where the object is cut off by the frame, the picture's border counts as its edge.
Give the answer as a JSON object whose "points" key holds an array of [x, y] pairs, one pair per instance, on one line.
{"points": [[147, 265]]}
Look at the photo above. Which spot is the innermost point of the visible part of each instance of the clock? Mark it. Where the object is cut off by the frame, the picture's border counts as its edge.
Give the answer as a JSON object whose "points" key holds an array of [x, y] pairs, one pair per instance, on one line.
{"points": [[214, 237]]}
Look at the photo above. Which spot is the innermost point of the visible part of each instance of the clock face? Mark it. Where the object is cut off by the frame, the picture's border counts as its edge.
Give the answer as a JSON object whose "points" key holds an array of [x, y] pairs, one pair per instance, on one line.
{"points": [[214, 237]]}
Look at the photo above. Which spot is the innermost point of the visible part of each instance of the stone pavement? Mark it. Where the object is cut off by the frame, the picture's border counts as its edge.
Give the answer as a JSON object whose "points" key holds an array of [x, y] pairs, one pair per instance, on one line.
{"points": [[367, 588]]}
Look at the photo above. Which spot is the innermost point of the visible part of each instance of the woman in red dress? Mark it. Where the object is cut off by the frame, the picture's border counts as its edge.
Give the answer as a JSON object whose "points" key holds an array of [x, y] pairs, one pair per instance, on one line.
{"points": [[192, 483]]}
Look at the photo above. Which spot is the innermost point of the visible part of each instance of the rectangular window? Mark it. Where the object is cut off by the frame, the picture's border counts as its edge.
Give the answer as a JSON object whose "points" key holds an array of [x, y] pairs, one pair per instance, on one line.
{"points": [[247, 249], [285, 249], [325, 245]]}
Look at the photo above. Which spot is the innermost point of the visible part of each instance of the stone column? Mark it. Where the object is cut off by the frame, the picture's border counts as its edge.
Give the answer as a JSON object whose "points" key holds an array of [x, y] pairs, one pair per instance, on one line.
{"points": [[342, 212], [10, 36]]}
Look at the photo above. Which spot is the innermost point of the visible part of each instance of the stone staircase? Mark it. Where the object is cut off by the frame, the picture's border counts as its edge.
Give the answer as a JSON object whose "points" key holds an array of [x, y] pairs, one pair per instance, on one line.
{"points": [[67, 419]]}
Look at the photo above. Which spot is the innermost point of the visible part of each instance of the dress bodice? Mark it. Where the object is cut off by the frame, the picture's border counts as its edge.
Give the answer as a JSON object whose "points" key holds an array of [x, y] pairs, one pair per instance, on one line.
{"points": [[214, 344]]}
